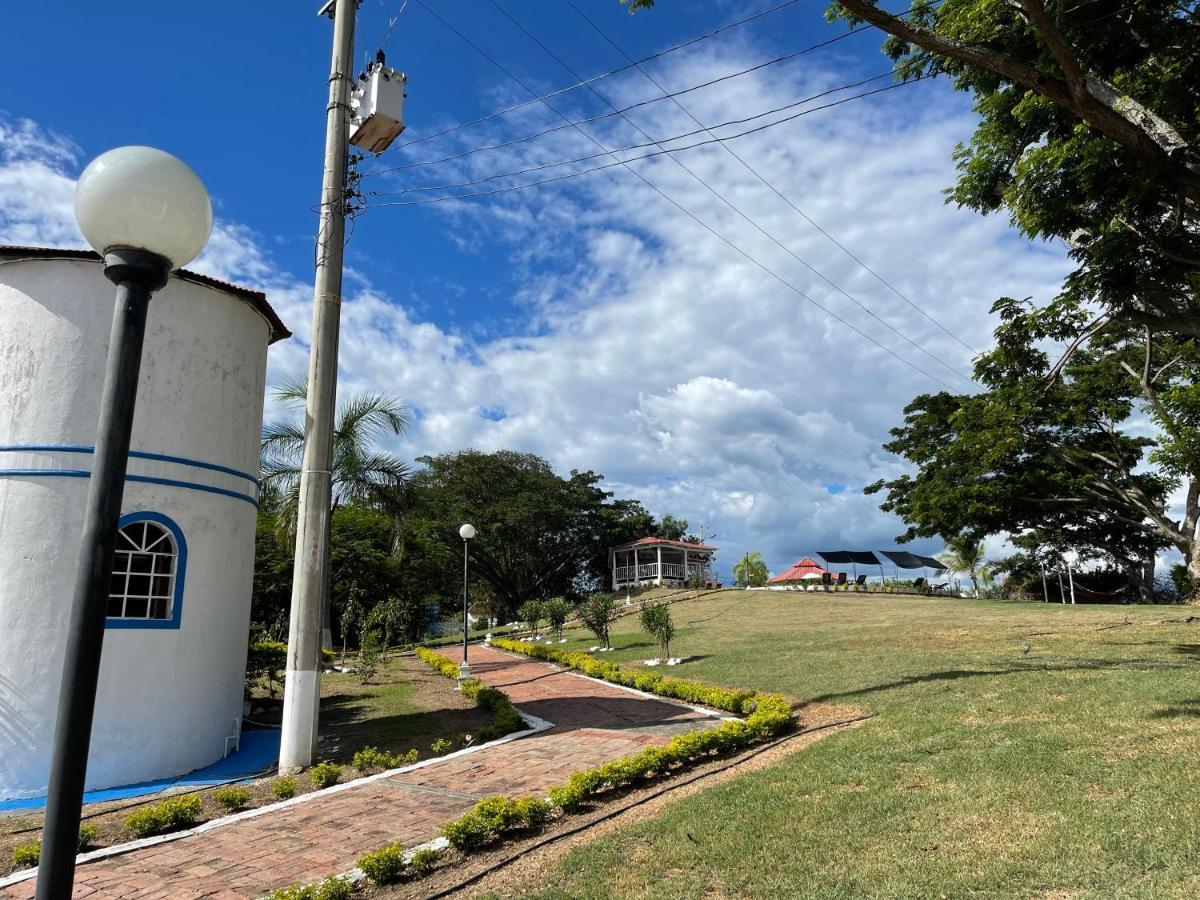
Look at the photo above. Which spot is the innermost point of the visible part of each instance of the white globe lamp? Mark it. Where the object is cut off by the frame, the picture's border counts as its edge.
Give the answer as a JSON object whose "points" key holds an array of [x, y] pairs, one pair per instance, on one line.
{"points": [[141, 198], [467, 533]]}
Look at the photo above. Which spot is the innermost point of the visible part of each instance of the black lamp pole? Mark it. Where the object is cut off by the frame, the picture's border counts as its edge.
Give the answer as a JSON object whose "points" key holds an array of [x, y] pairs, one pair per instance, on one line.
{"points": [[466, 561], [137, 274]]}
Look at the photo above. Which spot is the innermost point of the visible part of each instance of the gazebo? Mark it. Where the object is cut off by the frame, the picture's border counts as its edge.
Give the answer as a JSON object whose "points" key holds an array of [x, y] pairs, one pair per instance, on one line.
{"points": [[653, 560], [804, 570]]}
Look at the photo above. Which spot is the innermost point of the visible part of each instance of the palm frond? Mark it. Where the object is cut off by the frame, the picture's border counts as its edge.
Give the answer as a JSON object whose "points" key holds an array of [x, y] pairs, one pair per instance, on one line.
{"points": [[293, 391]]}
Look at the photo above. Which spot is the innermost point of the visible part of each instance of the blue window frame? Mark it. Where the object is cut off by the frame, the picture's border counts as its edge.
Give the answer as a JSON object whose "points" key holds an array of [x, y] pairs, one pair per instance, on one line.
{"points": [[148, 572]]}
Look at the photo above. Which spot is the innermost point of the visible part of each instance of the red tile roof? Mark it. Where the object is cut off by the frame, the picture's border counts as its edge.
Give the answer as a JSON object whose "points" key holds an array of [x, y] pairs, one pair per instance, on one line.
{"points": [[807, 566]]}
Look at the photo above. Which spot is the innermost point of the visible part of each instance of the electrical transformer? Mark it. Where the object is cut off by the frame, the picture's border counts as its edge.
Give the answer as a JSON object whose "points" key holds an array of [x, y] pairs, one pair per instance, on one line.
{"points": [[377, 108]]}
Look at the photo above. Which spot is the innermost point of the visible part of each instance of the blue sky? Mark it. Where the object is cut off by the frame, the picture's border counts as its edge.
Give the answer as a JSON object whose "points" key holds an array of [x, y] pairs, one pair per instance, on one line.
{"points": [[590, 321]]}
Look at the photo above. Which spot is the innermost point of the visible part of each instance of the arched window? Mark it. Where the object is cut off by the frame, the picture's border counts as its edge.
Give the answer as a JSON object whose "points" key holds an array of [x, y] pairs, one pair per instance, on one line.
{"points": [[147, 573]]}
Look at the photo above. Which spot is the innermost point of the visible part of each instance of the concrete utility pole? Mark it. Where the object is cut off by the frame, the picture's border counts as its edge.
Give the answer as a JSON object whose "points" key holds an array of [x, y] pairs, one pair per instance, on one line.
{"points": [[302, 693]]}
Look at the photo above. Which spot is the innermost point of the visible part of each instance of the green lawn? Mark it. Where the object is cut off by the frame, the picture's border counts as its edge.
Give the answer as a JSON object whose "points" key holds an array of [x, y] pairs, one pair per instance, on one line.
{"points": [[1019, 750]]}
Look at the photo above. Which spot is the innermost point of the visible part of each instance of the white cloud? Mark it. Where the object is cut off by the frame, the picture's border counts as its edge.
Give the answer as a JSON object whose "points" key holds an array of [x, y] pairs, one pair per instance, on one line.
{"points": [[654, 353]]}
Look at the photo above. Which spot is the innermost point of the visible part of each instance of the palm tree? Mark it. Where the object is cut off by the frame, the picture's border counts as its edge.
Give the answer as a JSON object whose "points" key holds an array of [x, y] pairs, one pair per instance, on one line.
{"points": [[964, 556], [360, 473]]}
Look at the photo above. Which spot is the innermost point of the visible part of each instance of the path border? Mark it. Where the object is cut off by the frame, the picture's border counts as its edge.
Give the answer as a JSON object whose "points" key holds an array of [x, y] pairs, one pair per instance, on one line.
{"points": [[536, 726]]}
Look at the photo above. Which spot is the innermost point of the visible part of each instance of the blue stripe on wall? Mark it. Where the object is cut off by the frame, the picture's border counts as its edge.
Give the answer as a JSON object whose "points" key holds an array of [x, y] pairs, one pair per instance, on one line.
{"points": [[145, 479], [138, 454]]}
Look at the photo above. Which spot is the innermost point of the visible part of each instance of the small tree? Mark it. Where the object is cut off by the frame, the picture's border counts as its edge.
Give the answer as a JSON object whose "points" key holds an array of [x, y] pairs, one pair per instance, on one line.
{"points": [[656, 622], [368, 657], [597, 613], [751, 570], [556, 611], [531, 613], [964, 556]]}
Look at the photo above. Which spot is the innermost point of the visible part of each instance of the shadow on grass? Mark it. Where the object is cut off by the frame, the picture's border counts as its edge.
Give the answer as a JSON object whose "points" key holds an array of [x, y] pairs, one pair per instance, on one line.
{"points": [[1037, 664]]}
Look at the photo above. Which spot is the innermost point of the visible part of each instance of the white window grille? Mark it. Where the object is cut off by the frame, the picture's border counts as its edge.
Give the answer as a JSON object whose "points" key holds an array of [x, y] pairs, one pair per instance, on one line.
{"points": [[143, 576]]}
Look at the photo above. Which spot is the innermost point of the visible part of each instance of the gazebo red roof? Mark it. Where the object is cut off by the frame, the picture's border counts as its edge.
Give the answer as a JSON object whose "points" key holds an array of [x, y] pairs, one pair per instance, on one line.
{"points": [[806, 566], [655, 542]]}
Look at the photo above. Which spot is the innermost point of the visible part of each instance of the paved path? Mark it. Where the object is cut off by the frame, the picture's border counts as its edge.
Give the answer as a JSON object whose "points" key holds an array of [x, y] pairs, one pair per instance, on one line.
{"points": [[593, 723]]}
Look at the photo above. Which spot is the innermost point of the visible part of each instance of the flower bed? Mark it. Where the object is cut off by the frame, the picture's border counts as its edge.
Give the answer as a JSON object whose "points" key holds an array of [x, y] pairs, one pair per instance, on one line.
{"points": [[505, 718]]}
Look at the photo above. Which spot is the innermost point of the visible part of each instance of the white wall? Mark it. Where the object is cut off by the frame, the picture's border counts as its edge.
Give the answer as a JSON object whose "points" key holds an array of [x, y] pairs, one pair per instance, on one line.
{"points": [[168, 698]]}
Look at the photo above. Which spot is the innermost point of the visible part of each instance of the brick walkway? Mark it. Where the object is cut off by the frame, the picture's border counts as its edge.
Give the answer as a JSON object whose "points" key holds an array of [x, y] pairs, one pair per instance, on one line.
{"points": [[593, 723]]}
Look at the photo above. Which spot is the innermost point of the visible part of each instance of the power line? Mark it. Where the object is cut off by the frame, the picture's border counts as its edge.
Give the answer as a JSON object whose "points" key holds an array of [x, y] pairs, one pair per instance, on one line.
{"points": [[625, 109], [689, 213], [729, 203], [571, 87], [666, 140], [611, 153], [673, 97]]}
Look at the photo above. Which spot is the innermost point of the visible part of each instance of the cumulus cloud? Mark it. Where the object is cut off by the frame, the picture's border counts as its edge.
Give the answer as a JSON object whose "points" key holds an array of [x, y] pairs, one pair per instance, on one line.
{"points": [[652, 352]]}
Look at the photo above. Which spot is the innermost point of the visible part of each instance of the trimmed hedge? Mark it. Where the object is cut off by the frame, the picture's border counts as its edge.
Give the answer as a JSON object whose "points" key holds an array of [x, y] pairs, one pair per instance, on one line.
{"points": [[332, 888], [505, 718], [171, 814], [730, 699]]}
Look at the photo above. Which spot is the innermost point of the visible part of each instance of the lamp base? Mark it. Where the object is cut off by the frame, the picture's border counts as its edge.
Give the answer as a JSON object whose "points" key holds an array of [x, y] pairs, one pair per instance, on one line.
{"points": [[139, 266], [464, 672]]}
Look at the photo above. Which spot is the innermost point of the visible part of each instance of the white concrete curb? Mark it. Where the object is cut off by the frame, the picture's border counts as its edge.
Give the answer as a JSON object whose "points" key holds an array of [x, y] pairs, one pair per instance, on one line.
{"points": [[536, 725]]}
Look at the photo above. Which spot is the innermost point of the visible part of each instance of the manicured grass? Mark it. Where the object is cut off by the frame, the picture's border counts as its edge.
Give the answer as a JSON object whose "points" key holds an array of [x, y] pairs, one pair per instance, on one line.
{"points": [[1020, 750]]}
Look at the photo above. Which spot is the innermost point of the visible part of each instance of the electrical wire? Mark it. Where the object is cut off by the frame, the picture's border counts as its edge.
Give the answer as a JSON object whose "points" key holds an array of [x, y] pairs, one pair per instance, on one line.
{"points": [[616, 112], [651, 143], [673, 97], [741, 252], [733, 207], [618, 162], [565, 90]]}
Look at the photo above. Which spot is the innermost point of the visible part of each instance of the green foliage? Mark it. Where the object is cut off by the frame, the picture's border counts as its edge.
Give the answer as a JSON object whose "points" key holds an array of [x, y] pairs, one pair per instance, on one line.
{"points": [[557, 610], [383, 866], [26, 856], [231, 798], [273, 562], [656, 621], [368, 658], [284, 787], [531, 613], [671, 528], [441, 746], [505, 718], [964, 556], [170, 814], [87, 836], [751, 570], [372, 759], [423, 861], [493, 817], [265, 662], [597, 613], [325, 774], [332, 888]]}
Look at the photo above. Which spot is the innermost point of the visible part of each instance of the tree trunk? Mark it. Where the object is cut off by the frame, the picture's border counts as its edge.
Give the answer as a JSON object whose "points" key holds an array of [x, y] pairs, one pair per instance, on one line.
{"points": [[1192, 561]]}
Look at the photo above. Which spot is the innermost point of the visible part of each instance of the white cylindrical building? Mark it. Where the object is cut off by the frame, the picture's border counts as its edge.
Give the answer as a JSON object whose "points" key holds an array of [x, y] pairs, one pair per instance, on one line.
{"points": [[172, 673]]}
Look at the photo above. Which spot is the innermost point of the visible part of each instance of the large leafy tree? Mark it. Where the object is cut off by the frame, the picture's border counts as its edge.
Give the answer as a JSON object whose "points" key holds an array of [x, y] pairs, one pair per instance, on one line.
{"points": [[1088, 132], [539, 534], [1082, 455]]}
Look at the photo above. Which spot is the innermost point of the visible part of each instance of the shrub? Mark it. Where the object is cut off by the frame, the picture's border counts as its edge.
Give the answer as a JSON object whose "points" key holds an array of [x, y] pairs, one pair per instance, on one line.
{"points": [[383, 866], [656, 622], [423, 861], [368, 658], [373, 759], [87, 836], [332, 888], [284, 787], [324, 775], [232, 798], [441, 747], [505, 718], [597, 613], [531, 613], [26, 856], [556, 611], [171, 814], [265, 660]]}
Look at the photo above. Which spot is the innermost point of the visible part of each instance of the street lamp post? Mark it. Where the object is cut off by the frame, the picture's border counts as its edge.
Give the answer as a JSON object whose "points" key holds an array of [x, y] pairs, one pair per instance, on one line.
{"points": [[146, 213], [467, 533]]}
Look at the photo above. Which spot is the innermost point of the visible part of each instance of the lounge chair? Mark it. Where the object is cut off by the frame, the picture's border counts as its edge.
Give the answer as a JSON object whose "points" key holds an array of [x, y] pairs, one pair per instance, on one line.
{"points": [[841, 578], [860, 580]]}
